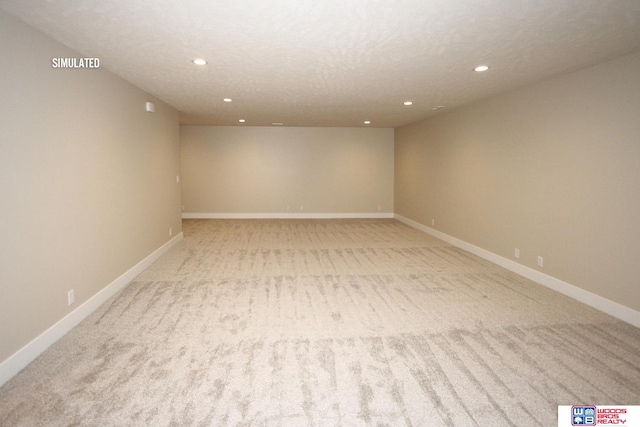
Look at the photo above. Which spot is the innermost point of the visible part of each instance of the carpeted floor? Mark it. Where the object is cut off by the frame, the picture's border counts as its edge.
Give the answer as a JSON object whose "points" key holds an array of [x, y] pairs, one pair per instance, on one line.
{"points": [[326, 323]]}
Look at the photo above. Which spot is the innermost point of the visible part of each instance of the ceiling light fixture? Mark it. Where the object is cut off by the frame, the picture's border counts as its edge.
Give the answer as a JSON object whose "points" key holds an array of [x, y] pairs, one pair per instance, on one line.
{"points": [[408, 103], [367, 122], [481, 68], [242, 120], [437, 107], [227, 100], [199, 61], [277, 124]]}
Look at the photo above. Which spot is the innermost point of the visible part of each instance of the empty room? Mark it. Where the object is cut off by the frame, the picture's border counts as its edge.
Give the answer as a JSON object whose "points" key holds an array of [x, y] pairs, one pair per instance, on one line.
{"points": [[335, 213]]}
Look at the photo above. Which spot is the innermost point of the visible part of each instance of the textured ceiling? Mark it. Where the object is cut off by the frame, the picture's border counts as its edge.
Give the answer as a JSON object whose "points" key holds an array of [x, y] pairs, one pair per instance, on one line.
{"points": [[334, 62]]}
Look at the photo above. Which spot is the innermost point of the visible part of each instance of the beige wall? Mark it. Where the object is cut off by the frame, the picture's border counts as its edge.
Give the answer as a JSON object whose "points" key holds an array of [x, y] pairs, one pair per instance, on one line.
{"points": [[87, 181], [264, 169], [552, 169]]}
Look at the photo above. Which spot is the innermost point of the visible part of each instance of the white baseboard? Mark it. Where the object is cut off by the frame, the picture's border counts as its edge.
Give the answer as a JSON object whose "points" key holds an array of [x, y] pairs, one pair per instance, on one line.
{"points": [[285, 215], [19, 360], [596, 301]]}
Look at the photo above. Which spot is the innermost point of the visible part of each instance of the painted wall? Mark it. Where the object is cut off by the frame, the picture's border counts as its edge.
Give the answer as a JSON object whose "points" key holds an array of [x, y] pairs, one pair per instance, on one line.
{"points": [[552, 169], [249, 170], [87, 181]]}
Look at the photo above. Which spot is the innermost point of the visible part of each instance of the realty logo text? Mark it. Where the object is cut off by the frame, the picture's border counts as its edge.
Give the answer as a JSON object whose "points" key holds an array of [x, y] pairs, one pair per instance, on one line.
{"points": [[591, 416]]}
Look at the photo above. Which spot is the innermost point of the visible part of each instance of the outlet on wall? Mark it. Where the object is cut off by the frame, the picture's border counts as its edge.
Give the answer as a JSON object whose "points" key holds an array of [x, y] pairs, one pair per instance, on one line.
{"points": [[540, 262], [70, 297], [516, 253], [170, 231], [433, 222]]}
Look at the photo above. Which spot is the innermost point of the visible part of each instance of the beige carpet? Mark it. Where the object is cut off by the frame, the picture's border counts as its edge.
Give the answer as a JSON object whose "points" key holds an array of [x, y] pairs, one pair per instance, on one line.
{"points": [[326, 323]]}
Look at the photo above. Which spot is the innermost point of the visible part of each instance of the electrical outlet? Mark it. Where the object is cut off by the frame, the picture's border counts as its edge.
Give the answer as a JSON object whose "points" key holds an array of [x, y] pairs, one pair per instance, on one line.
{"points": [[517, 253], [70, 297], [177, 178], [170, 231], [433, 222], [540, 262]]}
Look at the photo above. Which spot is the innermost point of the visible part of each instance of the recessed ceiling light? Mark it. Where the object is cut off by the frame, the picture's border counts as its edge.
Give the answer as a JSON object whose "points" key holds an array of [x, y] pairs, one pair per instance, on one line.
{"points": [[481, 68], [277, 124], [437, 107], [227, 100], [367, 122], [408, 102], [199, 61], [242, 120]]}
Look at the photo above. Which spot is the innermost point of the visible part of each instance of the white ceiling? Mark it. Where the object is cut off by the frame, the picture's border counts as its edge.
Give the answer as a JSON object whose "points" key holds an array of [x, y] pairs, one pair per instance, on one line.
{"points": [[334, 62]]}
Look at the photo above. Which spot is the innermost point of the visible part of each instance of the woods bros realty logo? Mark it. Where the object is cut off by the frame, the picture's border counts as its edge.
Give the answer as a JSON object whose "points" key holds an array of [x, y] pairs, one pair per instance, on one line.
{"points": [[75, 63], [591, 415]]}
